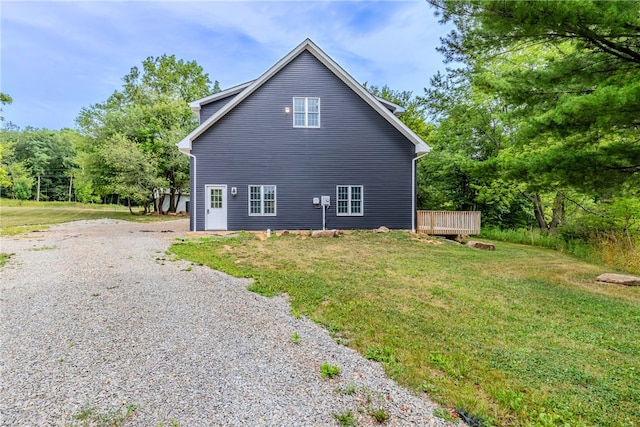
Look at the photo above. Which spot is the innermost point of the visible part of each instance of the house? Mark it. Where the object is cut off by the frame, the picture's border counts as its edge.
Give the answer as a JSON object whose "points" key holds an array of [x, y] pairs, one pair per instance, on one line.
{"points": [[304, 146]]}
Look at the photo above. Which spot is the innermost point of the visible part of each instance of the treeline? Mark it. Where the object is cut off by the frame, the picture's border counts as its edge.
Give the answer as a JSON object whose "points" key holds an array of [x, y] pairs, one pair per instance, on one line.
{"points": [[123, 150]]}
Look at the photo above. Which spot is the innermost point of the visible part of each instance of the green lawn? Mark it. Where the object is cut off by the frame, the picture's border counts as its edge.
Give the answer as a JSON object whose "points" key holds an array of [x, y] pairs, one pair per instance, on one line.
{"points": [[17, 217], [519, 336]]}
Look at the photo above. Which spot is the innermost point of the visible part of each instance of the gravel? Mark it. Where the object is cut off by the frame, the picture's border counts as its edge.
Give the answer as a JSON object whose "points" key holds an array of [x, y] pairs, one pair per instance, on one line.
{"points": [[94, 317]]}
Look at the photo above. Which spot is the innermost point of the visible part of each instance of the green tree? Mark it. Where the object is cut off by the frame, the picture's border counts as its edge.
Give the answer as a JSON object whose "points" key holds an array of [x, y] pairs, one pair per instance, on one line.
{"points": [[4, 100], [20, 181], [127, 170], [151, 110], [578, 98], [463, 171]]}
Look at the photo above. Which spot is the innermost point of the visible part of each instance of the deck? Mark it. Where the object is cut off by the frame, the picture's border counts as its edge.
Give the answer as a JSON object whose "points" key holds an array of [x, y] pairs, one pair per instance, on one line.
{"points": [[449, 222]]}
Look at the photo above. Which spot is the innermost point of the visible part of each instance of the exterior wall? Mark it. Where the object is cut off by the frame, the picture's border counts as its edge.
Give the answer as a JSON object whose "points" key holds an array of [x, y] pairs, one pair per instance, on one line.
{"points": [[211, 108], [256, 144]]}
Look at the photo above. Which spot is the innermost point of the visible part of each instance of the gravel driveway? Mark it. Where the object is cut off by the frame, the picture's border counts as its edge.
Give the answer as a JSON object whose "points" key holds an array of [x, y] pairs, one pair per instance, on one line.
{"points": [[93, 317]]}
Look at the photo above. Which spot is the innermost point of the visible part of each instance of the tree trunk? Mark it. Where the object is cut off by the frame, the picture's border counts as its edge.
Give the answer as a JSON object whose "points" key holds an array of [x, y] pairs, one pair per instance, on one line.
{"points": [[538, 211], [129, 204], [173, 204], [179, 195], [557, 217]]}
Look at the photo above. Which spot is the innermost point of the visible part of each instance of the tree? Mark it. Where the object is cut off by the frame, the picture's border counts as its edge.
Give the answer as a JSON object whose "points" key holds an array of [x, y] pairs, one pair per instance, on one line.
{"points": [[127, 170], [578, 99], [463, 172], [4, 100], [45, 156], [151, 111]]}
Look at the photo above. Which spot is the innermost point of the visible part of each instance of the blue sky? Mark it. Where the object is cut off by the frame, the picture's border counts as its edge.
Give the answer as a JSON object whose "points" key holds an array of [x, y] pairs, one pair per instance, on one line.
{"points": [[60, 56]]}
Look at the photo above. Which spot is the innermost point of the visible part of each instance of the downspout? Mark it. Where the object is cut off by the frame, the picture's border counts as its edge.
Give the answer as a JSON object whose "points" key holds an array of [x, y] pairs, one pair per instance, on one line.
{"points": [[413, 191], [195, 188]]}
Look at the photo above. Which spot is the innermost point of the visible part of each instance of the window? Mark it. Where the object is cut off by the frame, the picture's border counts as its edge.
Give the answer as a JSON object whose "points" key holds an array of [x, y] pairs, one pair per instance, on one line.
{"points": [[350, 200], [262, 200], [216, 198], [306, 112]]}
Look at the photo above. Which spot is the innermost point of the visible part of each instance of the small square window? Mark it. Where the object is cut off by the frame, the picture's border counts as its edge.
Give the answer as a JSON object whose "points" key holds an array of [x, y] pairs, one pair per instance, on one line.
{"points": [[306, 112]]}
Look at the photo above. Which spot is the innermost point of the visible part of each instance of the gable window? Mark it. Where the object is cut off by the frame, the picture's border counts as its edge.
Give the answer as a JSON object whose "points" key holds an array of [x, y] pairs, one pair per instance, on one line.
{"points": [[306, 112], [262, 200], [350, 200]]}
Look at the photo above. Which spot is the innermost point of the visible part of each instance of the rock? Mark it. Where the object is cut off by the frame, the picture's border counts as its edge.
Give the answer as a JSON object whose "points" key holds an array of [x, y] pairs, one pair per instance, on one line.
{"points": [[481, 245], [325, 233], [619, 279], [382, 229], [282, 233]]}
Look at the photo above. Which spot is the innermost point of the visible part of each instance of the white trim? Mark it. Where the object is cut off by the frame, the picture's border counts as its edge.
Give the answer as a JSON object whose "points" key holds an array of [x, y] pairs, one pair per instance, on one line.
{"points": [[275, 200], [195, 191], [414, 196], [219, 95], [185, 144], [361, 213], [305, 112]]}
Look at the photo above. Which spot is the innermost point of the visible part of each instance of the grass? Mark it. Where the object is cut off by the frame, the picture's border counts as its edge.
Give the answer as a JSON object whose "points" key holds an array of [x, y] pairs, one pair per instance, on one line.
{"points": [[4, 257], [18, 218], [622, 252], [89, 415], [519, 336]]}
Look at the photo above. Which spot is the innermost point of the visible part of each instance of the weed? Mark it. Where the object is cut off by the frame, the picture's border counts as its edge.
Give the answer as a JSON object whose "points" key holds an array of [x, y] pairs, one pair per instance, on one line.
{"points": [[91, 416], [44, 248], [345, 418], [380, 354], [350, 389], [189, 268], [329, 371], [4, 257], [295, 338], [380, 415]]}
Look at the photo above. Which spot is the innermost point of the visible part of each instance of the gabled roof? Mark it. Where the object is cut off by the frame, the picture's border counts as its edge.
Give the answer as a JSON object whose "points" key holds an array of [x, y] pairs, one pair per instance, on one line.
{"points": [[244, 90], [196, 106]]}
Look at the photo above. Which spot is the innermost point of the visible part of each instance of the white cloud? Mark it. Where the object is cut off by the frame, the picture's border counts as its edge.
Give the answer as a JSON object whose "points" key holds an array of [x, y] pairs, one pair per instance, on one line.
{"points": [[74, 54]]}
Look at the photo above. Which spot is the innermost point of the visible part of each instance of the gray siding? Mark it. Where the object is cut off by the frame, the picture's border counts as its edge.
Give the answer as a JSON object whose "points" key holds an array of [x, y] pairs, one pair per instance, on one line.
{"points": [[211, 108], [256, 144]]}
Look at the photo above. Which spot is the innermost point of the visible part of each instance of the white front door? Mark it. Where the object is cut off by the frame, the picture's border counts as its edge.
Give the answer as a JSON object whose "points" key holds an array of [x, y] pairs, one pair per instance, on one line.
{"points": [[216, 207]]}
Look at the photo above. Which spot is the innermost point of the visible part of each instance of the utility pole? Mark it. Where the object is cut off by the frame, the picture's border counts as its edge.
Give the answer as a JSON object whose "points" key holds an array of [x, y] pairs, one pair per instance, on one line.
{"points": [[38, 193], [70, 186]]}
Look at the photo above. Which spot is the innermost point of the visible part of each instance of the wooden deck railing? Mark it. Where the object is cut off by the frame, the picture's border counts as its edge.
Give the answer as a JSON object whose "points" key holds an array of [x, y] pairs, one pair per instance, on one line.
{"points": [[449, 222]]}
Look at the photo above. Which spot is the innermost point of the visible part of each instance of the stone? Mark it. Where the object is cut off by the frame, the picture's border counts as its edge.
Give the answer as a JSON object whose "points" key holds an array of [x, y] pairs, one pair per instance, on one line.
{"points": [[619, 279], [325, 233], [481, 245], [282, 233], [382, 229]]}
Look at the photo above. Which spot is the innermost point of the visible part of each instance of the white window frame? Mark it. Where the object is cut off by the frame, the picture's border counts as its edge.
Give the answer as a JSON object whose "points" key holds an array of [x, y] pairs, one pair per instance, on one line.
{"points": [[305, 112], [262, 200], [349, 192]]}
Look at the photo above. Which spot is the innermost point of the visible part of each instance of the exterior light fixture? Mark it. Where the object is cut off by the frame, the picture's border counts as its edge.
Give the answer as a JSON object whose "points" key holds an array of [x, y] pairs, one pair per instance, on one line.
{"points": [[287, 110], [234, 191]]}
